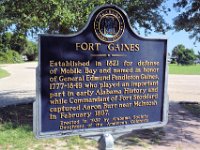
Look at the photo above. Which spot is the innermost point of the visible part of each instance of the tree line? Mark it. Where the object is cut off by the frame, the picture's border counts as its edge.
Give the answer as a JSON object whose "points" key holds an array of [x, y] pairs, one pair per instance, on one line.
{"points": [[184, 56], [13, 46], [21, 19]]}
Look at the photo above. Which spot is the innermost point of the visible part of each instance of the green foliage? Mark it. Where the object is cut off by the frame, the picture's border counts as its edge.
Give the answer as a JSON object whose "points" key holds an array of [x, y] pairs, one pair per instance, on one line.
{"points": [[198, 55], [65, 16], [31, 51], [23, 19], [18, 42], [183, 55], [5, 40], [10, 57], [176, 50], [188, 18], [186, 57], [173, 61]]}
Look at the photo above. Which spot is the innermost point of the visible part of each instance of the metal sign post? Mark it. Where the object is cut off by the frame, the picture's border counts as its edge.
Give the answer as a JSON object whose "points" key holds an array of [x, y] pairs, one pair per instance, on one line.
{"points": [[106, 142]]}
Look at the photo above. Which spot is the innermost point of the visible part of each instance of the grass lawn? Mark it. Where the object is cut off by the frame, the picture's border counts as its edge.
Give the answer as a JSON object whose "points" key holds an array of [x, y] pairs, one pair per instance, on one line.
{"points": [[3, 73], [16, 133], [184, 70]]}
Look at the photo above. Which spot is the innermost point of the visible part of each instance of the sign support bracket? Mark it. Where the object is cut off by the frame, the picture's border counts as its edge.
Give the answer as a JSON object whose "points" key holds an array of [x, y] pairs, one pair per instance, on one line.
{"points": [[106, 142]]}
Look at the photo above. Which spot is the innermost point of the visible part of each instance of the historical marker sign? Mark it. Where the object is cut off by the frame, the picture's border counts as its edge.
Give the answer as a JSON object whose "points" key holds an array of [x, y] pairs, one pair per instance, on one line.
{"points": [[103, 79]]}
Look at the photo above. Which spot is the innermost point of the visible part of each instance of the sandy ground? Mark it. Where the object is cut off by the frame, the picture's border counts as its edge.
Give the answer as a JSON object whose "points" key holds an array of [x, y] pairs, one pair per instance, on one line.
{"points": [[184, 88]]}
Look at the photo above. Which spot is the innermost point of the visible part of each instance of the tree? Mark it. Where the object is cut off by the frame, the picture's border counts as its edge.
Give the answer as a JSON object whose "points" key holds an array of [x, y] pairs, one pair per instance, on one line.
{"points": [[177, 49], [189, 17], [18, 42], [10, 41], [5, 40], [24, 18], [183, 55], [188, 57], [31, 51], [66, 16], [198, 55]]}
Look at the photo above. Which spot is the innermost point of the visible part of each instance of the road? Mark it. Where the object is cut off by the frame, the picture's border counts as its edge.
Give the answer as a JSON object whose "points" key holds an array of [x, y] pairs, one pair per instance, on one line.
{"points": [[184, 88], [20, 86]]}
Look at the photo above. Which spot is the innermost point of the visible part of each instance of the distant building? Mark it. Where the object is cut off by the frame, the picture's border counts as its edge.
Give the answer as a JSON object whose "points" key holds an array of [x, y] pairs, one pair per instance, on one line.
{"points": [[168, 58], [197, 61], [171, 59]]}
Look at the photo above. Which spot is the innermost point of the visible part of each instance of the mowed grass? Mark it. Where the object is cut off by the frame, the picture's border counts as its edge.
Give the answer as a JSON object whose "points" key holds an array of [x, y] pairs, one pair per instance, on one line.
{"points": [[15, 136], [184, 70], [3, 73], [16, 133]]}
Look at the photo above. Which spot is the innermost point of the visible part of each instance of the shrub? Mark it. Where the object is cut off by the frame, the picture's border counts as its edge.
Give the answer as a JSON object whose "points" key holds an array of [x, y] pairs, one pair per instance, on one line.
{"points": [[31, 51], [184, 55], [173, 61], [10, 57]]}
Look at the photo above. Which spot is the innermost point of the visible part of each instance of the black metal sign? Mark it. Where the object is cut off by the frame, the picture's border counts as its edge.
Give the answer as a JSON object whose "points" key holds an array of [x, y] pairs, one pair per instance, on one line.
{"points": [[102, 79]]}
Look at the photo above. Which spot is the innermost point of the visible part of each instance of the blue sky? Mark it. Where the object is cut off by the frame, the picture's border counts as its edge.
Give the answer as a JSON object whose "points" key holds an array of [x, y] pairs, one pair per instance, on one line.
{"points": [[175, 38]]}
